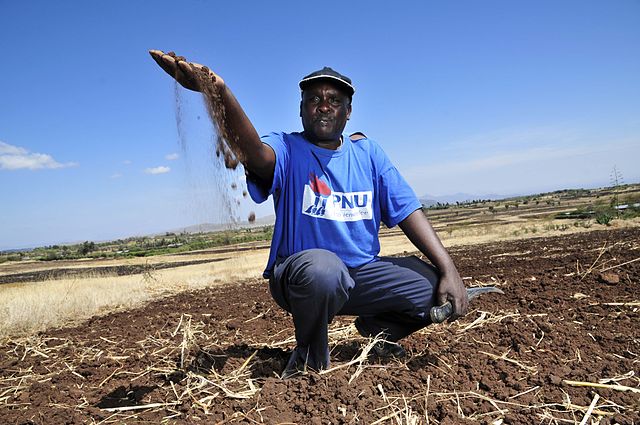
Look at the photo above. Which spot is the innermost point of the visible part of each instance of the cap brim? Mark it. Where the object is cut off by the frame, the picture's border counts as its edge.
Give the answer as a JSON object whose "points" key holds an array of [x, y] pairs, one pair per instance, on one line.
{"points": [[306, 81]]}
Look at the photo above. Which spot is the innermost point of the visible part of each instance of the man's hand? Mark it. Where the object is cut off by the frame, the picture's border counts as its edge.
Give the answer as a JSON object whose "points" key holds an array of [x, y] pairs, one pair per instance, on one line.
{"points": [[452, 289], [190, 75], [238, 131], [421, 234]]}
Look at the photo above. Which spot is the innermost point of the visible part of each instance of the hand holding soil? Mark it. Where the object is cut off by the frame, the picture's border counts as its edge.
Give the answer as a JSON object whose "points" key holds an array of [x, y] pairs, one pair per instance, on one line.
{"points": [[196, 77], [189, 75]]}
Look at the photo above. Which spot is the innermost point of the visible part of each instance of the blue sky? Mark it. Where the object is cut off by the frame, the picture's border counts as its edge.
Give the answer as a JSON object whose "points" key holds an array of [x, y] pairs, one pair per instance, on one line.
{"points": [[481, 97]]}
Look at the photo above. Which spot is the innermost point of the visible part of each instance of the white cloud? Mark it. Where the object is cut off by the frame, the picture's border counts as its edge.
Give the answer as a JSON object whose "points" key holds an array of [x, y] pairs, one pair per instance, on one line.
{"points": [[116, 176], [16, 158], [559, 159], [126, 162], [7, 149], [172, 157], [497, 160], [157, 170], [517, 138], [546, 151]]}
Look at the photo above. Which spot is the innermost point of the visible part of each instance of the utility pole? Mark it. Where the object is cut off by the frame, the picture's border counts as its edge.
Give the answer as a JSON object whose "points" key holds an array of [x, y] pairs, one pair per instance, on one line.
{"points": [[616, 182]]}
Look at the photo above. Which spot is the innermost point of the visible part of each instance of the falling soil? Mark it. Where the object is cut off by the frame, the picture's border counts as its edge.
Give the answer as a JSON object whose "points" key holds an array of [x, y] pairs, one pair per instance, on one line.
{"points": [[213, 356], [226, 147], [182, 138], [226, 141]]}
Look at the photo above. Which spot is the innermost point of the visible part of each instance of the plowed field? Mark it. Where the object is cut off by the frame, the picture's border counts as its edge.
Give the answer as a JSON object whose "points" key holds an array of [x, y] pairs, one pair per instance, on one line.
{"points": [[565, 337]]}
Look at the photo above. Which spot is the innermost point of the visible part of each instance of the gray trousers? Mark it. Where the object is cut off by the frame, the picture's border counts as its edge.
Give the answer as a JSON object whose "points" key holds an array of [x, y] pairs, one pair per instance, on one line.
{"points": [[392, 296]]}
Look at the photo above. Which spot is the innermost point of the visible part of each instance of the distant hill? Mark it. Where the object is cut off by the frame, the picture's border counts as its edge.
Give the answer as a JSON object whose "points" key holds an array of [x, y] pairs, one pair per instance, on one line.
{"points": [[430, 200], [216, 227]]}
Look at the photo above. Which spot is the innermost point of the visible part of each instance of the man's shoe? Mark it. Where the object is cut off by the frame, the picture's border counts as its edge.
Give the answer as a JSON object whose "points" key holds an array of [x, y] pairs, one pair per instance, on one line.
{"points": [[387, 350], [382, 349], [295, 366], [362, 329]]}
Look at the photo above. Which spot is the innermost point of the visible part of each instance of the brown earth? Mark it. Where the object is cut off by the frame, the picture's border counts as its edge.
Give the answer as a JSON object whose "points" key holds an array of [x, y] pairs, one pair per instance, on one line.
{"points": [[120, 270], [213, 356]]}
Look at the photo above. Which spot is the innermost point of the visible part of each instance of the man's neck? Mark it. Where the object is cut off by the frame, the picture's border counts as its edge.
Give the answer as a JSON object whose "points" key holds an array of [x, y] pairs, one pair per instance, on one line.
{"points": [[326, 144]]}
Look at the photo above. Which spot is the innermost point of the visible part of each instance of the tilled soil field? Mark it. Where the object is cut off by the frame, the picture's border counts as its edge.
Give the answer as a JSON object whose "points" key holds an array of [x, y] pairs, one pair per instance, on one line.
{"points": [[561, 346], [122, 270]]}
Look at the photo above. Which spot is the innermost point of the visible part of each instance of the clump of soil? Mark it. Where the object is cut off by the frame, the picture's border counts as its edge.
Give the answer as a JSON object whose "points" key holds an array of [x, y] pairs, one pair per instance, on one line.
{"points": [[176, 57], [610, 278]]}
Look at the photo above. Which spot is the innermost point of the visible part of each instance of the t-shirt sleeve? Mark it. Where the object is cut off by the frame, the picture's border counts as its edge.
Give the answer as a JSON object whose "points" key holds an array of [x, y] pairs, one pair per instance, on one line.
{"points": [[260, 190], [396, 198]]}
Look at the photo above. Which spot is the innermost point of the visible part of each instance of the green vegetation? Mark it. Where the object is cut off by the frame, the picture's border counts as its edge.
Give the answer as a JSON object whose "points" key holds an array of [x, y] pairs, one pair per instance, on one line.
{"points": [[616, 205], [604, 218], [145, 246], [584, 207]]}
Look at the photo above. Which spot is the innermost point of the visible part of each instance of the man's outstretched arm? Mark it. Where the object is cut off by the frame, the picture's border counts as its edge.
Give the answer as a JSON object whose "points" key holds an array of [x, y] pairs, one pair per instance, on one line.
{"points": [[421, 234], [258, 157]]}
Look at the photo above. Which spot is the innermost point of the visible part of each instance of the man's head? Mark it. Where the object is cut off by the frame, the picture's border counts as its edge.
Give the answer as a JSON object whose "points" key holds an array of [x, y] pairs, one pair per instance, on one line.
{"points": [[328, 74], [326, 105]]}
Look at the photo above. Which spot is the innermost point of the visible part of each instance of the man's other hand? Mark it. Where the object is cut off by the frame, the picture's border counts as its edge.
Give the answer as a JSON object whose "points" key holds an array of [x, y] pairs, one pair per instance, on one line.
{"points": [[188, 74], [452, 289]]}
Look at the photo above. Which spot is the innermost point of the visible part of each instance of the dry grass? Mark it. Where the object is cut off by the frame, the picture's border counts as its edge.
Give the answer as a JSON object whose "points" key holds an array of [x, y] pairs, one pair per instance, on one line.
{"points": [[29, 307], [512, 228]]}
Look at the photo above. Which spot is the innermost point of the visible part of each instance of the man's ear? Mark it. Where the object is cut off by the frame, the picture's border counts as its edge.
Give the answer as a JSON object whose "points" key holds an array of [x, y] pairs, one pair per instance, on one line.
{"points": [[349, 112], [300, 109]]}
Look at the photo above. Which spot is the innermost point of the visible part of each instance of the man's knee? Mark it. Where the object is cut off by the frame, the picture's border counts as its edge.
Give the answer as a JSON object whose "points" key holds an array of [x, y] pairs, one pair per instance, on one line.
{"points": [[318, 269], [419, 266], [314, 274]]}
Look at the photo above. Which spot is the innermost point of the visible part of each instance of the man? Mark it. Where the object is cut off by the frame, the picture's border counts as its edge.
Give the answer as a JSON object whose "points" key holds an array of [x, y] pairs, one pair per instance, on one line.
{"points": [[330, 194]]}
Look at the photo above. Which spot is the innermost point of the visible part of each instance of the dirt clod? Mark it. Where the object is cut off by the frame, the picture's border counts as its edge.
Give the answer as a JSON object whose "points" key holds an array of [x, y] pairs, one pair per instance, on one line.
{"points": [[609, 278]]}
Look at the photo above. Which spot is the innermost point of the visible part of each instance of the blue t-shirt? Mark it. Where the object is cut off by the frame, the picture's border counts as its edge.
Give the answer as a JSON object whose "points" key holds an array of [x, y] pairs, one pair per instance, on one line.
{"points": [[332, 199]]}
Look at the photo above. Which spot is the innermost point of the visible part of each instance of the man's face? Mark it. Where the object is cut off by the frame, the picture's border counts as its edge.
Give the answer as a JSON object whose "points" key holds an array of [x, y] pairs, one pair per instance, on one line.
{"points": [[325, 110]]}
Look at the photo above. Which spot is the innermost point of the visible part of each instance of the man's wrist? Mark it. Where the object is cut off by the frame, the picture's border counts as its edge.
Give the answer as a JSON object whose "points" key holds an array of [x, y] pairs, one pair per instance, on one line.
{"points": [[447, 269]]}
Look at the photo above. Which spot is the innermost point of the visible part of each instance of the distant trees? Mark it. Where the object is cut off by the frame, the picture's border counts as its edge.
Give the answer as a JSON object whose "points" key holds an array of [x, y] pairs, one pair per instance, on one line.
{"points": [[87, 247]]}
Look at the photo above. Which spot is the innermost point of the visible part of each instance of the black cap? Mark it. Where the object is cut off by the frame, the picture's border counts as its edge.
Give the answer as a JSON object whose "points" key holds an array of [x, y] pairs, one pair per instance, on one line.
{"points": [[327, 73]]}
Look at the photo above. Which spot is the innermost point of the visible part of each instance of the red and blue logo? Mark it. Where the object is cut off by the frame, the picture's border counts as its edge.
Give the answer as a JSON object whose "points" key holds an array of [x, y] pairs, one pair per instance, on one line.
{"points": [[321, 191], [321, 201]]}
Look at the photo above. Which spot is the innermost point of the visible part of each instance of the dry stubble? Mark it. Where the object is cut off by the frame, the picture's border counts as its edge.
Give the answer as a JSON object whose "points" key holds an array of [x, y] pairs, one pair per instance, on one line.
{"points": [[30, 307]]}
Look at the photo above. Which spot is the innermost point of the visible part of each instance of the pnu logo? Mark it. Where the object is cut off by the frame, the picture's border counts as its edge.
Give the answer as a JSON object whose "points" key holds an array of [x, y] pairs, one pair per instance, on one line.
{"points": [[321, 191], [321, 202]]}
